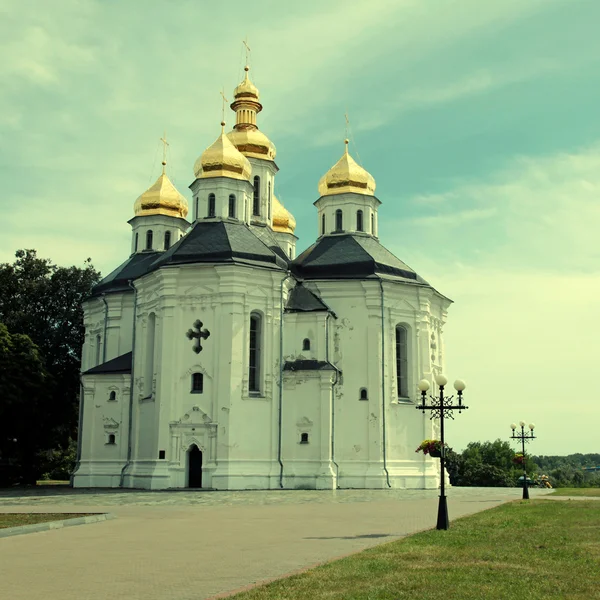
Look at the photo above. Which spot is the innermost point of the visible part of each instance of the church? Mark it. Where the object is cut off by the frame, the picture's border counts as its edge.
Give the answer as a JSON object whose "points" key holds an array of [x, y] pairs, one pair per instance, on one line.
{"points": [[216, 356]]}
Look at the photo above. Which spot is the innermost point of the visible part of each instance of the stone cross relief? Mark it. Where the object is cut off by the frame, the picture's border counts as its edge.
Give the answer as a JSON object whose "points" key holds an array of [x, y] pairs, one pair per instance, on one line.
{"points": [[198, 334]]}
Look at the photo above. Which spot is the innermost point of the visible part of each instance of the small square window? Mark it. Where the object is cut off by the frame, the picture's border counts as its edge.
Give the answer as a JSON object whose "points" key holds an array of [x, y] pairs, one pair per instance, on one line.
{"points": [[161, 454], [304, 438]]}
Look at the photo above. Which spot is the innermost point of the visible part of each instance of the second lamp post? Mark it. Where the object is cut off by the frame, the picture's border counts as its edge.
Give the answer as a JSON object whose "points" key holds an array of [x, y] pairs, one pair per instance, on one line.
{"points": [[523, 437]]}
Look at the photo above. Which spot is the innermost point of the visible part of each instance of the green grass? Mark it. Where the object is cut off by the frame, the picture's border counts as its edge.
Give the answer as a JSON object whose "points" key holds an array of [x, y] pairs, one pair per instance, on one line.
{"points": [[577, 492], [525, 550], [18, 519]]}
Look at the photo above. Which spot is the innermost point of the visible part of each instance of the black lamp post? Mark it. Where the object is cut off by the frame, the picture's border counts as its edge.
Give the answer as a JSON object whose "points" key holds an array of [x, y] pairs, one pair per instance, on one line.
{"points": [[442, 407], [523, 437]]}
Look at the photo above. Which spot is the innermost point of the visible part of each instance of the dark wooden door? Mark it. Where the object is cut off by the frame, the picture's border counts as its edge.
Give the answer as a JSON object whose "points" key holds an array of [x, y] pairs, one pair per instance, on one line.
{"points": [[195, 467]]}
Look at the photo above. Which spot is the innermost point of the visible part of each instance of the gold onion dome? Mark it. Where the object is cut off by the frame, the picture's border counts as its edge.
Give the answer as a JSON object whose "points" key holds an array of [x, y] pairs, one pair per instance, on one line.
{"points": [[246, 136], [162, 198], [222, 159], [246, 88], [283, 220], [346, 176]]}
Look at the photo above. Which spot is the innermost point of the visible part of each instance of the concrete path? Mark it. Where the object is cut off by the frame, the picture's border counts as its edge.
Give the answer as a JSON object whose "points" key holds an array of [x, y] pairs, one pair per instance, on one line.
{"points": [[186, 546]]}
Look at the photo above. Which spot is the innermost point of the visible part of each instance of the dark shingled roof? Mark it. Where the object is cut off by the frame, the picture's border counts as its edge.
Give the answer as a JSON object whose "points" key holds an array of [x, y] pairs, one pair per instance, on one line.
{"points": [[121, 364], [350, 256], [135, 266], [308, 365], [301, 299], [220, 241], [267, 237]]}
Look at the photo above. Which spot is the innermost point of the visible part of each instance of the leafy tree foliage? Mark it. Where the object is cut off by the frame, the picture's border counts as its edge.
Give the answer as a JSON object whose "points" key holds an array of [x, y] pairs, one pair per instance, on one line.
{"points": [[22, 404], [569, 471], [486, 464], [43, 301]]}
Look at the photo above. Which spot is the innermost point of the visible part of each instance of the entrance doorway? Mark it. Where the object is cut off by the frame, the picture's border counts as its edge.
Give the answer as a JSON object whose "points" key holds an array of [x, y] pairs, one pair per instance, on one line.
{"points": [[194, 467]]}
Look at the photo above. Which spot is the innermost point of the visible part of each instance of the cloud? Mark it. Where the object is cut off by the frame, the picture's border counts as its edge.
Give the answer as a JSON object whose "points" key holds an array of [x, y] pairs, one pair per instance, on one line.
{"points": [[544, 209]]}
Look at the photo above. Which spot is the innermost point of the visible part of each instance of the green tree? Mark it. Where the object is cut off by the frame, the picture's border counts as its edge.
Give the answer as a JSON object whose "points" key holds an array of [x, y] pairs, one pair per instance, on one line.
{"points": [[23, 405], [43, 301]]}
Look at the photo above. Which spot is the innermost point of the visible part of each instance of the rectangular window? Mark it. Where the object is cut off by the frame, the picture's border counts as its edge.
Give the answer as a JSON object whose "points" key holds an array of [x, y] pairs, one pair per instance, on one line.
{"points": [[254, 358], [401, 362]]}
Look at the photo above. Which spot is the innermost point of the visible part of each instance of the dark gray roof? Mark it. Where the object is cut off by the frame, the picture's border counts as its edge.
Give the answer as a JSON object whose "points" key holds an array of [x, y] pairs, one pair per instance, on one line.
{"points": [[220, 241], [301, 299], [135, 266], [350, 256], [121, 364], [308, 365], [267, 237]]}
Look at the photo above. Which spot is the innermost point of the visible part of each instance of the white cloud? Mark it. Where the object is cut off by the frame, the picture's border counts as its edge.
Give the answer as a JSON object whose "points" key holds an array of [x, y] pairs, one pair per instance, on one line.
{"points": [[524, 328]]}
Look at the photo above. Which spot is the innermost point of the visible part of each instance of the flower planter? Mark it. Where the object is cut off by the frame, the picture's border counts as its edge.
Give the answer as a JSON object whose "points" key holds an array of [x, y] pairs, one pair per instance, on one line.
{"points": [[435, 453]]}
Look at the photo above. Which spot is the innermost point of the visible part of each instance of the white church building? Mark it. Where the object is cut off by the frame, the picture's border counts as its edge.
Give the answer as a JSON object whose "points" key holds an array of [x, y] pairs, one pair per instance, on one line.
{"points": [[217, 357]]}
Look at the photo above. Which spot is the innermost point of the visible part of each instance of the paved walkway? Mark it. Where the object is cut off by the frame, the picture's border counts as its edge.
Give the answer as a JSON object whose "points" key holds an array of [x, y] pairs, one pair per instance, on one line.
{"points": [[195, 545]]}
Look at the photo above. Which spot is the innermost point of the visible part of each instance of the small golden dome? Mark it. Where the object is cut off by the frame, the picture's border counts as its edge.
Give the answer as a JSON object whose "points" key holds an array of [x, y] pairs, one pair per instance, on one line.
{"points": [[346, 176], [246, 88], [253, 142], [283, 220], [222, 159], [161, 199]]}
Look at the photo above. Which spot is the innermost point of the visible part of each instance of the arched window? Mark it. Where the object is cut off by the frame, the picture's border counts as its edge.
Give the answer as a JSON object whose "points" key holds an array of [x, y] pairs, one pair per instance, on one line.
{"points": [[149, 239], [149, 358], [359, 220], [111, 438], [269, 200], [363, 394], [167, 240], [232, 206], [402, 361], [98, 344], [254, 354], [211, 205], [197, 383], [323, 224], [195, 208], [304, 438], [256, 199], [338, 220], [137, 237], [306, 344], [112, 395], [372, 223]]}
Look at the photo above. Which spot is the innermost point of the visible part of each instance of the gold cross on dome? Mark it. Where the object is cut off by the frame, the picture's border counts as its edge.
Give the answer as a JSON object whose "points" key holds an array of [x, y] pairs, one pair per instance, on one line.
{"points": [[223, 107], [245, 42], [163, 139]]}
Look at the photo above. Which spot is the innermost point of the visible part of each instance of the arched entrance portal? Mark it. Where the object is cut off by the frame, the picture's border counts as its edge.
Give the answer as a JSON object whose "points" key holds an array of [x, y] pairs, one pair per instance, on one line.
{"points": [[194, 467]]}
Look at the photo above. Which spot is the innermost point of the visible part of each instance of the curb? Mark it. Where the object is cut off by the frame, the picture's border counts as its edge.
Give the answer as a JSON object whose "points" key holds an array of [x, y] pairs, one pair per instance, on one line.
{"points": [[36, 527]]}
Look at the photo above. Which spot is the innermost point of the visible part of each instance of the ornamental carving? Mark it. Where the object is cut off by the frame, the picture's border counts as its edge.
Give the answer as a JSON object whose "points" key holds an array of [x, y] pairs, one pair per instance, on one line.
{"points": [[198, 334]]}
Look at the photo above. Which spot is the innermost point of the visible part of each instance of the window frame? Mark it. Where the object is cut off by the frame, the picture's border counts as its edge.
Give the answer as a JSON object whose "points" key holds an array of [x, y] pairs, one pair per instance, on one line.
{"points": [[149, 239], [212, 206], [167, 240], [359, 221], [255, 354], [232, 206], [256, 196], [339, 220], [197, 389], [401, 350]]}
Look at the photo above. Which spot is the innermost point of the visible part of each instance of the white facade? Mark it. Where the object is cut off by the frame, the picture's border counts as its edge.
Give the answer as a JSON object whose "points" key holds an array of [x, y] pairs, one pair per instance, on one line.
{"points": [[285, 393]]}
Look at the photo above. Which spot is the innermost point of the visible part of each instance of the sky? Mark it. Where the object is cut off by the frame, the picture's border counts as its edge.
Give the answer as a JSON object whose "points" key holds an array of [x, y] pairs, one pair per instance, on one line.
{"points": [[480, 122]]}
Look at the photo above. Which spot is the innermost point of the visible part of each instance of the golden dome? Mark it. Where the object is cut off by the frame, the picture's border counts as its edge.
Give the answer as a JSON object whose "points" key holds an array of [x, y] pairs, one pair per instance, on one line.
{"points": [[252, 142], [161, 199], [283, 220], [245, 135], [222, 159], [246, 88], [346, 176]]}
